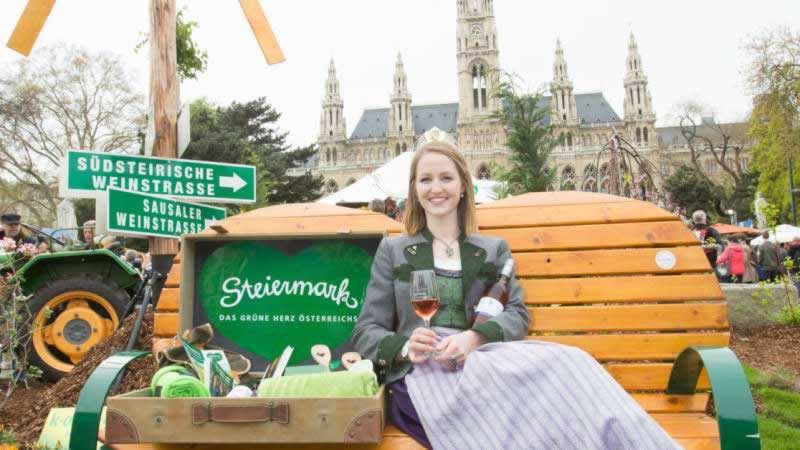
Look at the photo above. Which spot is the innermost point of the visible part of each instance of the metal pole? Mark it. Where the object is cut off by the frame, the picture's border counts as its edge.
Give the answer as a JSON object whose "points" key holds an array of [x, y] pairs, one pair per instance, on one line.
{"points": [[791, 192]]}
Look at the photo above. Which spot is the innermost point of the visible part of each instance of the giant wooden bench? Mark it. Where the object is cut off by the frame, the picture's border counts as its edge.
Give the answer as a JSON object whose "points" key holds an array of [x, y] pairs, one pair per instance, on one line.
{"points": [[620, 278]]}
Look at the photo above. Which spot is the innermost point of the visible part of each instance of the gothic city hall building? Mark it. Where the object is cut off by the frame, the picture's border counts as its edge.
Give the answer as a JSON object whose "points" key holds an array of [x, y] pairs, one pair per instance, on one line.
{"points": [[585, 120]]}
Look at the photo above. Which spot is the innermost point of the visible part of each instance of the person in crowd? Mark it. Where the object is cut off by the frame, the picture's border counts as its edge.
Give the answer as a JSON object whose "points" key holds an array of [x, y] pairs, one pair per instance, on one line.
{"points": [[390, 207], [441, 235], [376, 205], [768, 258], [89, 228], [734, 257], [750, 272], [783, 253], [794, 253], [709, 237], [12, 229], [401, 210]]}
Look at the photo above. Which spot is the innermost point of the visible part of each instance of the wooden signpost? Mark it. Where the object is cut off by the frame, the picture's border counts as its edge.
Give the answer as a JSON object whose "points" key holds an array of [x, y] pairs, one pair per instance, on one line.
{"points": [[164, 83]]}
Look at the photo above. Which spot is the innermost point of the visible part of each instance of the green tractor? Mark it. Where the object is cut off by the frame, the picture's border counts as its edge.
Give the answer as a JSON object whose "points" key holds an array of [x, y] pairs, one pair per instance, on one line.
{"points": [[77, 299]]}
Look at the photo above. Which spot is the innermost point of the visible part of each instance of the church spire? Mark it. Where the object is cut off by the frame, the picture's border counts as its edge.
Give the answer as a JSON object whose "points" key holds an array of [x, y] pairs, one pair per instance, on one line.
{"points": [[564, 107], [638, 107], [400, 118], [332, 125]]}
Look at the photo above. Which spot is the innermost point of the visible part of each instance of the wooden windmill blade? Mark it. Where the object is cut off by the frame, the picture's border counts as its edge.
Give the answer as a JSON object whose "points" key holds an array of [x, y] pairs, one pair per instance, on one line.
{"points": [[263, 31], [30, 25]]}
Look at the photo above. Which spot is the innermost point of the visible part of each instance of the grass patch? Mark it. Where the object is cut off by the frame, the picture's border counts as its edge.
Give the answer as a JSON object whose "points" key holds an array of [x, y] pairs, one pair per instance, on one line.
{"points": [[776, 435], [779, 421]]}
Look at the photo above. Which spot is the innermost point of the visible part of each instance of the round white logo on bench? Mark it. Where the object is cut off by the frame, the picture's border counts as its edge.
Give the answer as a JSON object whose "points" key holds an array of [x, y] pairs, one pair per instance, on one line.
{"points": [[665, 259]]}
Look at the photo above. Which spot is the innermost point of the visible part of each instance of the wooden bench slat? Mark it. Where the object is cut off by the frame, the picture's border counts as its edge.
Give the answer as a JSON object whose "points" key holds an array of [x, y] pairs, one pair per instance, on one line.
{"points": [[710, 443], [688, 425], [169, 300], [643, 288], [174, 276], [637, 347], [254, 226], [656, 402], [166, 324], [492, 215], [582, 237], [609, 262], [647, 377], [682, 316]]}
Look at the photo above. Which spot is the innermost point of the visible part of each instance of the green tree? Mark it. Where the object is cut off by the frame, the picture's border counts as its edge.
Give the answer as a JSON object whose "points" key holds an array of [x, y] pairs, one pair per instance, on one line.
{"points": [[247, 133], [691, 189], [774, 77], [530, 138]]}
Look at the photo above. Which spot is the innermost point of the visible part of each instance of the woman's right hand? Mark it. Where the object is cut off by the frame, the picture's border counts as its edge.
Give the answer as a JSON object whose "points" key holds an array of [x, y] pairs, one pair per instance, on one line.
{"points": [[421, 344]]}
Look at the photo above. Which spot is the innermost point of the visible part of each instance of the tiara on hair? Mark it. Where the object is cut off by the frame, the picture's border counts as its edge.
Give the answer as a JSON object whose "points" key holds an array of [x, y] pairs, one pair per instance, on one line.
{"points": [[435, 135]]}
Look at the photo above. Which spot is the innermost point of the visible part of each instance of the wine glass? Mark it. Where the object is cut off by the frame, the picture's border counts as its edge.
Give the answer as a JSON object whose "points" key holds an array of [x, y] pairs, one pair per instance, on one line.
{"points": [[424, 294]]}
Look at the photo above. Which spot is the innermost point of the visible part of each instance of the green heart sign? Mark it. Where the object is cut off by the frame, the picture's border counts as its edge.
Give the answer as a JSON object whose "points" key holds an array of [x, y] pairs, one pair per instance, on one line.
{"points": [[263, 299]]}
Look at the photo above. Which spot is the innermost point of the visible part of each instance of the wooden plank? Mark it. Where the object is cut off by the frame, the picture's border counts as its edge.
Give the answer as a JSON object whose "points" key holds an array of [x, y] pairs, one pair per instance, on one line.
{"points": [[711, 443], [637, 347], [647, 377], [166, 324], [255, 226], [610, 262], [560, 198], [29, 25], [263, 31], [169, 300], [585, 237], [666, 288], [651, 402], [687, 425], [663, 317], [493, 215], [174, 276]]}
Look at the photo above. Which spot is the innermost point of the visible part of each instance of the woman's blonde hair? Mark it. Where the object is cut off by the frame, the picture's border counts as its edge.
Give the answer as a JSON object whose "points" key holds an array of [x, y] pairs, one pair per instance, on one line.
{"points": [[414, 219]]}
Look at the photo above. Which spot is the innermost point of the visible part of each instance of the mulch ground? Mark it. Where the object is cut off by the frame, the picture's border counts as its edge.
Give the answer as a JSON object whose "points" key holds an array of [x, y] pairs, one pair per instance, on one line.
{"points": [[27, 409], [764, 348]]}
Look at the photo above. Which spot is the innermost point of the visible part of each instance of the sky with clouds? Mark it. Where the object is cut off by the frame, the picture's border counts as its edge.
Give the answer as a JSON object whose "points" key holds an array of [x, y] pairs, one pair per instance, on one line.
{"points": [[691, 50]]}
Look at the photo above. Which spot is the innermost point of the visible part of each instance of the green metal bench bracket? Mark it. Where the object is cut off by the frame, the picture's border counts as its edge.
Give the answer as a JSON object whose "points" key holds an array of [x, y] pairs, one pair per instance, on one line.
{"points": [[736, 414], [86, 422]]}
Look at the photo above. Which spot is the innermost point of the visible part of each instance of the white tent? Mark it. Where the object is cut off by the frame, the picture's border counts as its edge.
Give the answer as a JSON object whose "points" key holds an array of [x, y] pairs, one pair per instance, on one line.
{"points": [[782, 233], [391, 180]]}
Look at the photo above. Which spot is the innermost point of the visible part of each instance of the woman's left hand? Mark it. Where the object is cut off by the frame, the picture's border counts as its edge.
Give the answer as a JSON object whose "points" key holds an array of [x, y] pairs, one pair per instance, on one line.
{"points": [[455, 348]]}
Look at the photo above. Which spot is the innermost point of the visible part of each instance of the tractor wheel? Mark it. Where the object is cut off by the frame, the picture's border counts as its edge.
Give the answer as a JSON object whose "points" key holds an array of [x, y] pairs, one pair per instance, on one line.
{"points": [[69, 317]]}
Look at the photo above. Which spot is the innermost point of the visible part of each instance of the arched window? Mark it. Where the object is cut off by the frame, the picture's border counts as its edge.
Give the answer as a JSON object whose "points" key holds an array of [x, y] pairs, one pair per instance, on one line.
{"points": [[405, 147], [396, 149], [569, 141], [604, 185], [568, 179], [478, 87], [328, 156], [334, 156], [645, 134], [639, 95], [483, 172], [638, 135], [589, 185]]}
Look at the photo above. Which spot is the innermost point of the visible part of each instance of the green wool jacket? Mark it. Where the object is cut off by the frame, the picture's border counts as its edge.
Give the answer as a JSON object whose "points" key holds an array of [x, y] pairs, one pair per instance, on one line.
{"points": [[387, 319]]}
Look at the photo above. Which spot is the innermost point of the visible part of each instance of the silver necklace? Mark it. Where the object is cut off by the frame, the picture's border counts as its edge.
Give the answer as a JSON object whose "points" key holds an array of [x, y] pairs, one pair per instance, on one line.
{"points": [[449, 251]]}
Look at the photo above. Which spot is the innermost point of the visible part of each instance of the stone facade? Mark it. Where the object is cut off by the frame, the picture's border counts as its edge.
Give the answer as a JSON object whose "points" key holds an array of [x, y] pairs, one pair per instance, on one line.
{"points": [[587, 120]]}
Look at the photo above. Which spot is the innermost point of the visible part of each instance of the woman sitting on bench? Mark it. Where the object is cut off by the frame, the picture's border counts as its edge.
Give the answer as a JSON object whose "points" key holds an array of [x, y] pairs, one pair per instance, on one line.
{"points": [[479, 386]]}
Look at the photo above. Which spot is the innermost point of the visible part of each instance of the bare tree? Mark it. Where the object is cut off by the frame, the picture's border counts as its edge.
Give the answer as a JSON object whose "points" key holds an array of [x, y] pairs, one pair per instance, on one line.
{"points": [[726, 143], [63, 97]]}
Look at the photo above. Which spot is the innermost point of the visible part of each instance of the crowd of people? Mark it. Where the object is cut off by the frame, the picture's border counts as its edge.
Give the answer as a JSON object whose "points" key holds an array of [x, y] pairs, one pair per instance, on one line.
{"points": [[736, 261], [395, 209], [31, 244]]}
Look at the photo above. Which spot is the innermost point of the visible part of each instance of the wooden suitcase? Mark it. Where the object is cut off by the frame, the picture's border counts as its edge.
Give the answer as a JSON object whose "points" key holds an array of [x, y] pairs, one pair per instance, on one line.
{"points": [[136, 417]]}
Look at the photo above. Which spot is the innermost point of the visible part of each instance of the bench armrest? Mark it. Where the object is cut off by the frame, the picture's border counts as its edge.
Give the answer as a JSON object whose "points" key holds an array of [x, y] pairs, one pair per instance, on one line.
{"points": [[86, 421], [736, 414]]}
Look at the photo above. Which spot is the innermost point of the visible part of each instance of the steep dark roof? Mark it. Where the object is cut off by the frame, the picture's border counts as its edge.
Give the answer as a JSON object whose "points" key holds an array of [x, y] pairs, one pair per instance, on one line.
{"points": [[592, 108], [373, 122]]}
